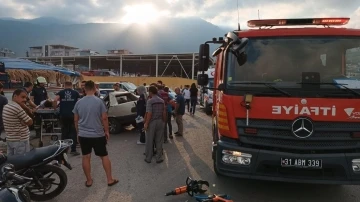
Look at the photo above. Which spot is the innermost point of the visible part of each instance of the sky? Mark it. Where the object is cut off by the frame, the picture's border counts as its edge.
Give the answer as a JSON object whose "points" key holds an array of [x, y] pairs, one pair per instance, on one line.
{"points": [[219, 12]]}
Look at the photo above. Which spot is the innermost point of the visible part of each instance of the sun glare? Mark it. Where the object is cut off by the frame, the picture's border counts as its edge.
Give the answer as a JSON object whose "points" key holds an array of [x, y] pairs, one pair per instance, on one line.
{"points": [[141, 14]]}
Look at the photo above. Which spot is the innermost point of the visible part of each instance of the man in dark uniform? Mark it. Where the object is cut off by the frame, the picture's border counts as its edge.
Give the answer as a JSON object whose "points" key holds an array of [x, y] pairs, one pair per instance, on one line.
{"points": [[37, 95], [67, 98]]}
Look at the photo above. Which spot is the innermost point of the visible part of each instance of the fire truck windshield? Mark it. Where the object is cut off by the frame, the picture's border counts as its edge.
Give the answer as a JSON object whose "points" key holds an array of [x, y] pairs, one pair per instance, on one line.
{"points": [[283, 62]]}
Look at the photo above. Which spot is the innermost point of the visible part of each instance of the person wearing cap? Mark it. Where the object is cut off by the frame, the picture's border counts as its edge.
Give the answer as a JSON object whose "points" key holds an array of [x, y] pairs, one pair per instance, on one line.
{"points": [[39, 93]]}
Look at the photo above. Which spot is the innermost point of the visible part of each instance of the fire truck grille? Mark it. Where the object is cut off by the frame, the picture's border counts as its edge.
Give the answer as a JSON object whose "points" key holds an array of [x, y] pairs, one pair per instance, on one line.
{"points": [[278, 134]]}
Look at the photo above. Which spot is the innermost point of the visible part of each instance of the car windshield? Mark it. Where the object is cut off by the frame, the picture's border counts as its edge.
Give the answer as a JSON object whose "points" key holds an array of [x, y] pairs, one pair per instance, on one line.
{"points": [[287, 62], [129, 85], [106, 85]]}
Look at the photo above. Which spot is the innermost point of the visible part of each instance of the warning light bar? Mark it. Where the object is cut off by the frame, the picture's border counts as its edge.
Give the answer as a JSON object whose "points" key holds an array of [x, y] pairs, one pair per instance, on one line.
{"points": [[299, 21]]}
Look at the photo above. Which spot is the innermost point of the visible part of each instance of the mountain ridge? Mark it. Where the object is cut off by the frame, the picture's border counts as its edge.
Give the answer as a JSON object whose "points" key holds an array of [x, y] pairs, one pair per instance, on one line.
{"points": [[172, 35]]}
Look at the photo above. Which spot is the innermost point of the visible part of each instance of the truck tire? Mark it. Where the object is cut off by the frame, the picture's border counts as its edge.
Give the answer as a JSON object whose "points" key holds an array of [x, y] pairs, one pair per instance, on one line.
{"points": [[214, 150]]}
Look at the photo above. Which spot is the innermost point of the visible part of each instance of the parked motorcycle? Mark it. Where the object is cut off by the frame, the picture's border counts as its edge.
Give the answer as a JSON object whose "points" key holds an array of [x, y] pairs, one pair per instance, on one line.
{"points": [[10, 192], [39, 165]]}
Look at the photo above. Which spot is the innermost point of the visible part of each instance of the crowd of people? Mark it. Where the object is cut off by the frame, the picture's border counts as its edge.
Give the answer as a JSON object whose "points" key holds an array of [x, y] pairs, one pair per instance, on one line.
{"points": [[83, 117], [155, 110]]}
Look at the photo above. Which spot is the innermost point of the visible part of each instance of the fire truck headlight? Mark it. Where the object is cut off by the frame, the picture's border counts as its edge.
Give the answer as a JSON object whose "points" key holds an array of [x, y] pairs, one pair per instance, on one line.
{"points": [[235, 157]]}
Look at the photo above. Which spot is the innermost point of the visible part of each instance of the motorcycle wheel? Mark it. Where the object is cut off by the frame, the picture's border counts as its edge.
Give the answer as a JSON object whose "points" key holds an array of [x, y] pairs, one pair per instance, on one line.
{"points": [[37, 193], [24, 196]]}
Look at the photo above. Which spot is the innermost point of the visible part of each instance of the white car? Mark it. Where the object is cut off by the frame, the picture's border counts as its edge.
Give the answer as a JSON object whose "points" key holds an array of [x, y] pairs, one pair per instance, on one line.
{"points": [[106, 87], [121, 110]]}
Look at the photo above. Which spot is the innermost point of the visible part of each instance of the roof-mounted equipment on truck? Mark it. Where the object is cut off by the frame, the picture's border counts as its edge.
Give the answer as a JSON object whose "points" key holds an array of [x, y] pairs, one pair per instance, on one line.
{"points": [[298, 22]]}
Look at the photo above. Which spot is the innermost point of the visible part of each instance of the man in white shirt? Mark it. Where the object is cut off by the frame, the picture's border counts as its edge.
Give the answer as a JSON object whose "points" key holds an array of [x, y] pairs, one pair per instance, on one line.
{"points": [[186, 93]]}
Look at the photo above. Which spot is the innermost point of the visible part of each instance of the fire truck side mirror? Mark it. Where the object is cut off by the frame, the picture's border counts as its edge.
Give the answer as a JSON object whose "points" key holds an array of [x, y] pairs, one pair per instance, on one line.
{"points": [[239, 50], [204, 57], [202, 79], [240, 45], [241, 59]]}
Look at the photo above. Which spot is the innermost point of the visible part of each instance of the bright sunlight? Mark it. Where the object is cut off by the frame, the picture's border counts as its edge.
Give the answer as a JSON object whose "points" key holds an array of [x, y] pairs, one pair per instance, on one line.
{"points": [[141, 14]]}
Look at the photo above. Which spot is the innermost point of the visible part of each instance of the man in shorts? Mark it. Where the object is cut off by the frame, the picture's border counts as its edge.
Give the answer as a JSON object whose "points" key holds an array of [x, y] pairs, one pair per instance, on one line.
{"points": [[91, 123]]}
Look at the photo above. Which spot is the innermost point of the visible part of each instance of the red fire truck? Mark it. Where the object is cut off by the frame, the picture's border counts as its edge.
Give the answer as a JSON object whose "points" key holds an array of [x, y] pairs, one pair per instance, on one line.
{"points": [[287, 101]]}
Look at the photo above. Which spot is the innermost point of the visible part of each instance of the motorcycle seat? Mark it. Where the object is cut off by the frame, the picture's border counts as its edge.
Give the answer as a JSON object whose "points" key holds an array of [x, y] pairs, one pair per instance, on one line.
{"points": [[33, 157]]}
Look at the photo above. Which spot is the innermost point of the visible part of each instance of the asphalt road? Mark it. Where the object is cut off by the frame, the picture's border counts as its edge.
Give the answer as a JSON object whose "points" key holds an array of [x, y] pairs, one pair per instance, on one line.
{"points": [[185, 156]]}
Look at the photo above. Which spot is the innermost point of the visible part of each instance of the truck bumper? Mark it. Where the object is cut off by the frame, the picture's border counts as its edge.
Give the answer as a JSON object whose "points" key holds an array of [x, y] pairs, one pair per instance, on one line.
{"points": [[266, 165]]}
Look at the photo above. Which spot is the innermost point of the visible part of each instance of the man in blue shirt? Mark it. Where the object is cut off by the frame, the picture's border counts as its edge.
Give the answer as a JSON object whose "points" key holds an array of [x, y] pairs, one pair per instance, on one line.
{"points": [[179, 112], [169, 111], [68, 98]]}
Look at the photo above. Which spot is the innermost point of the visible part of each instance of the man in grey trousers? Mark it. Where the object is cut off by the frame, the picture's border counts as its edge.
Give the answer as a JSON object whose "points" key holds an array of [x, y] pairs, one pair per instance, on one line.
{"points": [[154, 125]]}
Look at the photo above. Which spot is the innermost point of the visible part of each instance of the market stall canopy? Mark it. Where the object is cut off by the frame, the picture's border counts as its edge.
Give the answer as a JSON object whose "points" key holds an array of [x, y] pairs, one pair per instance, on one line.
{"points": [[15, 63]]}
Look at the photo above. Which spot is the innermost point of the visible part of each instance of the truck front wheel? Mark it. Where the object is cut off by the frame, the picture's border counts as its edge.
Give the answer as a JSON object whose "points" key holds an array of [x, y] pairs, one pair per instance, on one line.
{"points": [[214, 162], [214, 150]]}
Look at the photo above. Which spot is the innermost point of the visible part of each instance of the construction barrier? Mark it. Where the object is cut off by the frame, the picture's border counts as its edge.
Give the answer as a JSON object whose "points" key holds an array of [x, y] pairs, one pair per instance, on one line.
{"points": [[171, 82]]}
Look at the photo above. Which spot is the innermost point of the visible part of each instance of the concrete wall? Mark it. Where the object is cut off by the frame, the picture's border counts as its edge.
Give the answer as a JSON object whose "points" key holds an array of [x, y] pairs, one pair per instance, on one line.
{"points": [[172, 82]]}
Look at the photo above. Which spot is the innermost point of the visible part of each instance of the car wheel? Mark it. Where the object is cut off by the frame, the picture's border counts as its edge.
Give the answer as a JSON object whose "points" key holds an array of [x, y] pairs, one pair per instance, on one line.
{"points": [[114, 126]]}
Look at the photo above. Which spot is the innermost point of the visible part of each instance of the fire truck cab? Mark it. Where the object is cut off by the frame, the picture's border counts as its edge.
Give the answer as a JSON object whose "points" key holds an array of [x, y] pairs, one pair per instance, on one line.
{"points": [[286, 101]]}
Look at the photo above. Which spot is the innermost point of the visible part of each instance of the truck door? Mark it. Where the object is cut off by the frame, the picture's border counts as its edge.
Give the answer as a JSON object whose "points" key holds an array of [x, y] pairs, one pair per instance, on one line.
{"points": [[218, 74]]}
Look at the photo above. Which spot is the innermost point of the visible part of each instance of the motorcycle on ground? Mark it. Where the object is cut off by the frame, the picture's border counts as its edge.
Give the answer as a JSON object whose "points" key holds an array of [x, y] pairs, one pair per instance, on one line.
{"points": [[43, 165], [10, 192]]}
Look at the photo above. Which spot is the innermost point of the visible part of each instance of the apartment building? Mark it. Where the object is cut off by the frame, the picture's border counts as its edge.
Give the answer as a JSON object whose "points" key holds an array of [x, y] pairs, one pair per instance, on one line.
{"points": [[119, 52], [86, 52], [5, 52], [52, 50]]}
